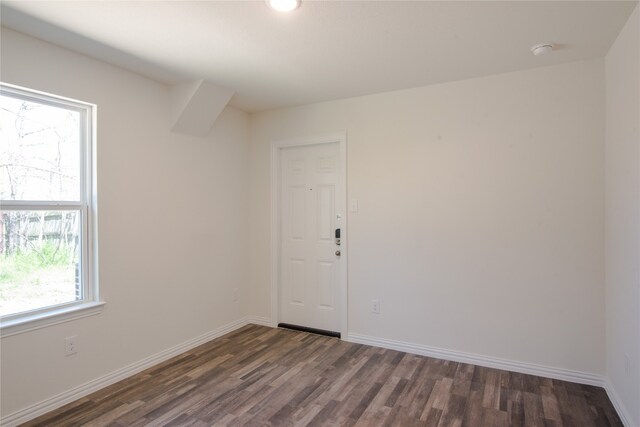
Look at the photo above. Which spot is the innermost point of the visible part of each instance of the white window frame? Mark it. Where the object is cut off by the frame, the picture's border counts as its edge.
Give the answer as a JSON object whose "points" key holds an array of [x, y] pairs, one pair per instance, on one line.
{"points": [[90, 304]]}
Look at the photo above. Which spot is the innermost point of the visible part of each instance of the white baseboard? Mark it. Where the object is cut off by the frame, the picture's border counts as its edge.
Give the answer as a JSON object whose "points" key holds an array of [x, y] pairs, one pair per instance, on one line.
{"points": [[35, 410], [258, 320], [618, 405], [480, 360]]}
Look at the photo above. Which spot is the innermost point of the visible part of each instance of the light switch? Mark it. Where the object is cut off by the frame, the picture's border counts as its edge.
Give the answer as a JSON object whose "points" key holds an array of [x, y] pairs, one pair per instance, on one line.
{"points": [[353, 205]]}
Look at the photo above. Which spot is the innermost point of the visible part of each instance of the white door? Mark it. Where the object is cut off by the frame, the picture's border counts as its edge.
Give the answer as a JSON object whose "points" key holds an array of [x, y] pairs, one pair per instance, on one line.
{"points": [[310, 207]]}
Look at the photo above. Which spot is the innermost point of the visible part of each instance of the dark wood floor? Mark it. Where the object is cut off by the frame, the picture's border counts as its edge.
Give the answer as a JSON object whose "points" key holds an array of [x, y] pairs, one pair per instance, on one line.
{"points": [[259, 376]]}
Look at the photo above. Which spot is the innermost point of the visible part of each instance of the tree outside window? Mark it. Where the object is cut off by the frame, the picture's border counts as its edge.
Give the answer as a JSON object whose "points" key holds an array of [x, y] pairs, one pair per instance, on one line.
{"points": [[45, 174]]}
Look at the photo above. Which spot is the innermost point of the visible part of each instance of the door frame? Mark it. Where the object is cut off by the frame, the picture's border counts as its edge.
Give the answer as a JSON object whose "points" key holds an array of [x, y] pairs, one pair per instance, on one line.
{"points": [[276, 147]]}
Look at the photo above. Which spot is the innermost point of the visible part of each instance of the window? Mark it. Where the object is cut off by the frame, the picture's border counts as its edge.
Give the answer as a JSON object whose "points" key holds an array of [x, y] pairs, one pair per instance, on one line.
{"points": [[47, 210]]}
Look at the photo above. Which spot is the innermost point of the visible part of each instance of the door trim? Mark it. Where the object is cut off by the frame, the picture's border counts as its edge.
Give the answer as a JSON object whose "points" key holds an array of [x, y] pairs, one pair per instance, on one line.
{"points": [[276, 147]]}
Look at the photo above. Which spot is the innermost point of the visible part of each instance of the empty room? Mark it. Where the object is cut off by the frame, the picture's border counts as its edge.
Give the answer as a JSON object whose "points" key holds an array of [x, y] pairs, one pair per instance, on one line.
{"points": [[320, 213]]}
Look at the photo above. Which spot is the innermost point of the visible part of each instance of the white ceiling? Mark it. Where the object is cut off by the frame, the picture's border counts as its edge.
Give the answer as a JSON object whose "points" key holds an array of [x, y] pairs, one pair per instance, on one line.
{"points": [[324, 50]]}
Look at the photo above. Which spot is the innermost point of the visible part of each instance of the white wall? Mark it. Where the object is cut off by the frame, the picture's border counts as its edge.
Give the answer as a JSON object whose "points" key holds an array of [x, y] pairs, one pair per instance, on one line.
{"points": [[480, 224], [623, 215], [172, 222]]}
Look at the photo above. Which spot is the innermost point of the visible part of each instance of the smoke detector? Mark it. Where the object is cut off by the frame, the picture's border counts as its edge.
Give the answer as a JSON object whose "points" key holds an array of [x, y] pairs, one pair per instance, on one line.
{"points": [[542, 49]]}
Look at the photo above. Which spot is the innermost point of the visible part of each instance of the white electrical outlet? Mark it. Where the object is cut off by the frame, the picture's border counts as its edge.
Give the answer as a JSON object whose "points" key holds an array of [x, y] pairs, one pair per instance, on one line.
{"points": [[627, 364], [235, 294], [375, 306], [70, 345]]}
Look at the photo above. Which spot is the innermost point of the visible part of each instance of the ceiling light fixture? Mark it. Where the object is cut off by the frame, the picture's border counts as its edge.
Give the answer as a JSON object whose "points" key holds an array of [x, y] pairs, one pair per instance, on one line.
{"points": [[542, 49], [283, 5]]}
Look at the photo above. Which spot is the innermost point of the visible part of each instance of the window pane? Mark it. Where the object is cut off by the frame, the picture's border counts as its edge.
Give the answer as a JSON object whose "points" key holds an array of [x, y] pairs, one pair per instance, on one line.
{"points": [[39, 259], [39, 151]]}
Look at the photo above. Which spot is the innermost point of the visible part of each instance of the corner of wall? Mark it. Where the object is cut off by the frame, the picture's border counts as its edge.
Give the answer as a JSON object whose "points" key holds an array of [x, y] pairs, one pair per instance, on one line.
{"points": [[622, 221]]}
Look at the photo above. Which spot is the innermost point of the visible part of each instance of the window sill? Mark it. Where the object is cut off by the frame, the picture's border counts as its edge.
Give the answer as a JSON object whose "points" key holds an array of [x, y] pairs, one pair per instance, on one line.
{"points": [[49, 318]]}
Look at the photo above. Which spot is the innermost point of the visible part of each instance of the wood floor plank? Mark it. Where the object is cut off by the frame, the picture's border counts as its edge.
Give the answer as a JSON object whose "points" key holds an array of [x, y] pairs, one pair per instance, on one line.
{"points": [[260, 376]]}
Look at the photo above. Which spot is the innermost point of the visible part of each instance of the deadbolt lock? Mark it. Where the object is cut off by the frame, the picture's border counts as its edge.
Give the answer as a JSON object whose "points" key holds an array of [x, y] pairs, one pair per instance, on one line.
{"points": [[338, 253]]}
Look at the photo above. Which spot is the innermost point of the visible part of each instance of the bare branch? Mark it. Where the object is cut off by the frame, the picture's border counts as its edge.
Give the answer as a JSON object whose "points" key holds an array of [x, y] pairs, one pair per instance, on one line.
{"points": [[21, 165]]}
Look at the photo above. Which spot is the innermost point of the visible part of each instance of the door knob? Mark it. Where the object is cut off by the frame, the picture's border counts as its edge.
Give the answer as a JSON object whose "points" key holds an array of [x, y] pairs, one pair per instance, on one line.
{"points": [[338, 253]]}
